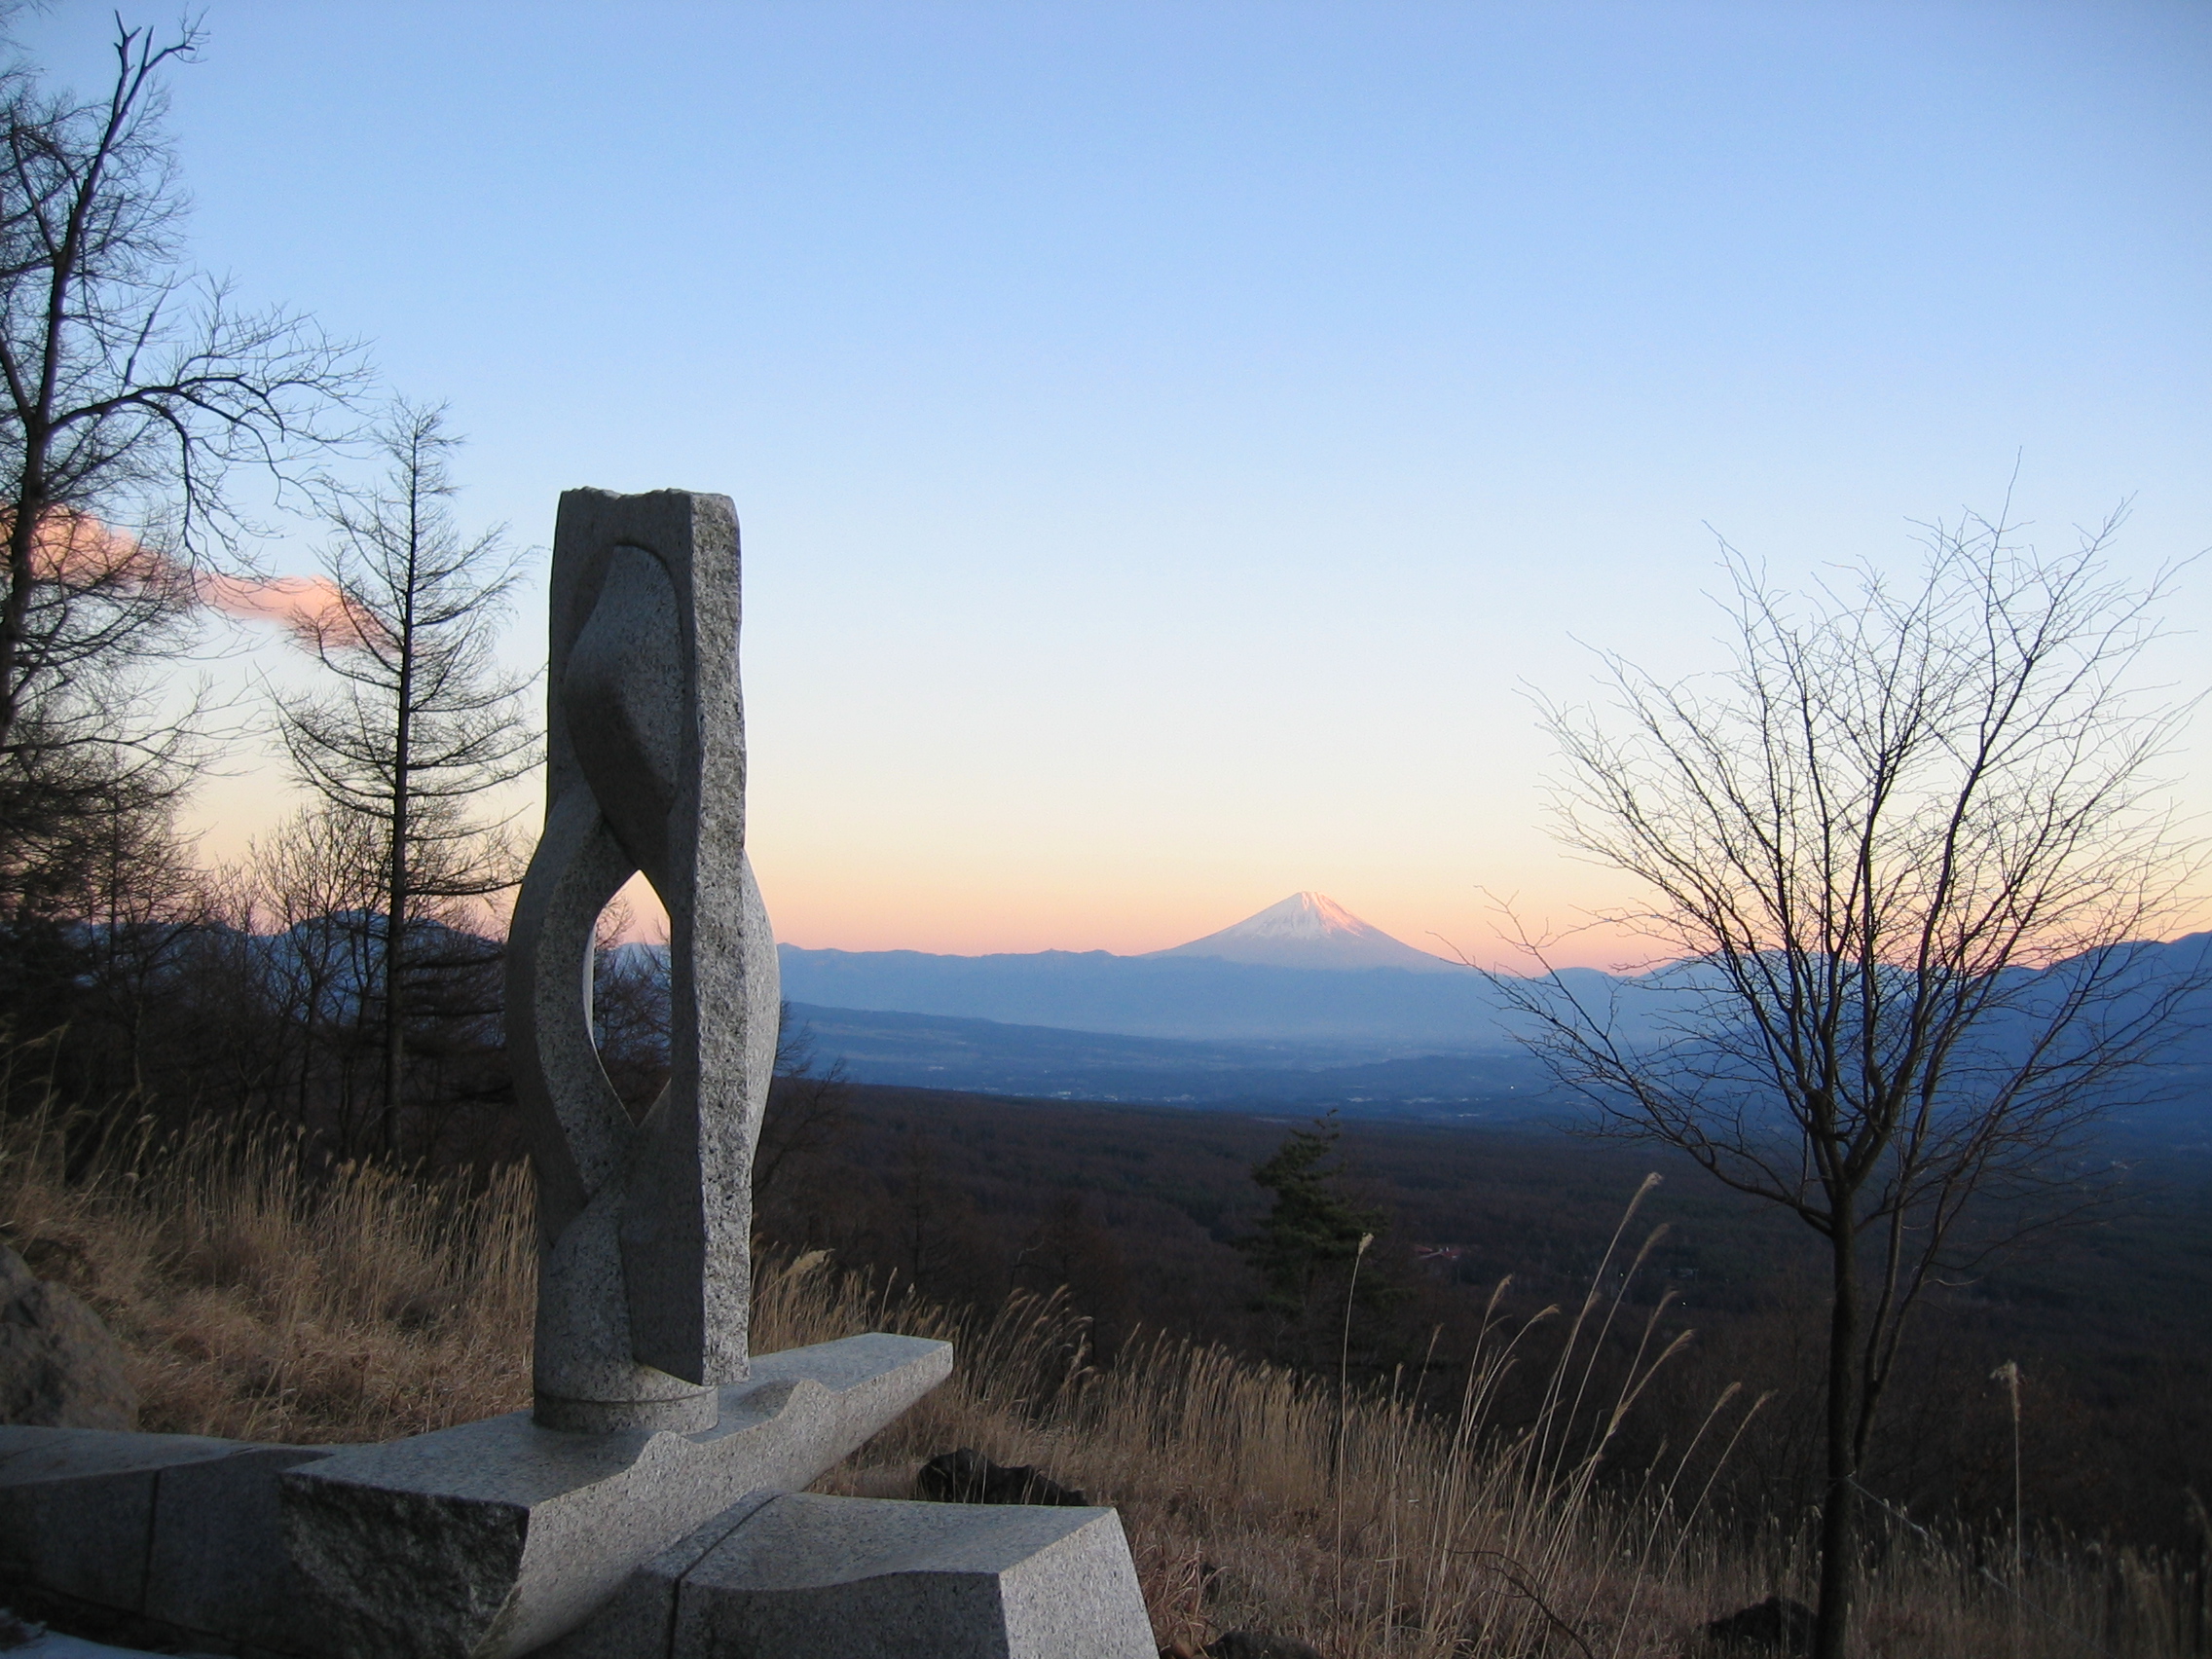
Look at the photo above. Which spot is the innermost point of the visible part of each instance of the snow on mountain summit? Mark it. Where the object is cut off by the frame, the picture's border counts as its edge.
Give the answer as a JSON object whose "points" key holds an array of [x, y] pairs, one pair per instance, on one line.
{"points": [[1308, 929]]}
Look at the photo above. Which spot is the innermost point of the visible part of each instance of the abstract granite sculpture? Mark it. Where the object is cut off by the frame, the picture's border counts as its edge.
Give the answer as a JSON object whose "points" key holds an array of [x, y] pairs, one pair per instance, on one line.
{"points": [[644, 1507], [644, 1278]]}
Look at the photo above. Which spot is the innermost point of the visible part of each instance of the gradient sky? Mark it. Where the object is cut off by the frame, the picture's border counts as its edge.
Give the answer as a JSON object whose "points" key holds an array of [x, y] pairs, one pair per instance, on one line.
{"points": [[1168, 438]]}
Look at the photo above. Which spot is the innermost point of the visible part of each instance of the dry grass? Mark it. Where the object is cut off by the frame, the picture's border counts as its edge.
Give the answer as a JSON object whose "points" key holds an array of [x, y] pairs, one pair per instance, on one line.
{"points": [[367, 1304], [257, 1306]]}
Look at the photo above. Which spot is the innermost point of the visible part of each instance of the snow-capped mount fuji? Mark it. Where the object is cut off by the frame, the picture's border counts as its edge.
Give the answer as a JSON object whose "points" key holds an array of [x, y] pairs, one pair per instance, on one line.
{"points": [[1311, 930]]}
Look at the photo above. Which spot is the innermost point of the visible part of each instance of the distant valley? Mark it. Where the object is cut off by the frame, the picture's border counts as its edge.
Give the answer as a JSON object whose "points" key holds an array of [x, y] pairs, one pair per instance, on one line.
{"points": [[987, 1058], [1303, 1004]]}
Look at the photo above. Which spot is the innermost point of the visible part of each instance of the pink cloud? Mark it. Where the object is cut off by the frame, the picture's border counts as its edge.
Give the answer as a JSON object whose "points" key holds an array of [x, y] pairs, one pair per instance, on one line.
{"points": [[309, 608], [81, 551], [77, 549]]}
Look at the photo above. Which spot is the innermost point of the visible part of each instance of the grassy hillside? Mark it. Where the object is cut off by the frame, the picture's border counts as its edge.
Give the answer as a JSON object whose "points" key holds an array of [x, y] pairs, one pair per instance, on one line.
{"points": [[364, 1305], [973, 1197]]}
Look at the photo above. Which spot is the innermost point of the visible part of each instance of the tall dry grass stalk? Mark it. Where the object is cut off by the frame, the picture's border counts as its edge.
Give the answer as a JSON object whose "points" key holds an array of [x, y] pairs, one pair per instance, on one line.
{"points": [[259, 1302], [256, 1302]]}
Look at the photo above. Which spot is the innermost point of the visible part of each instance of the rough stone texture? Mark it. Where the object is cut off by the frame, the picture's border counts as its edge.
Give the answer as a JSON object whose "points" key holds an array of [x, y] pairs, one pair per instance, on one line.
{"points": [[150, 1537], [805, 1577], [645, 1282], [60, 1367], [640, 1618], [494, 1537], [811, 1577], [217, 1561], [76, 1506]]}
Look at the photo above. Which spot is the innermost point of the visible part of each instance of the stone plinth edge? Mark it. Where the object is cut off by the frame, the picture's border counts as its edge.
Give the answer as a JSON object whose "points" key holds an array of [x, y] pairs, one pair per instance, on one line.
{"points": [[494, 1538], [170, 1537], [801, 1576]]}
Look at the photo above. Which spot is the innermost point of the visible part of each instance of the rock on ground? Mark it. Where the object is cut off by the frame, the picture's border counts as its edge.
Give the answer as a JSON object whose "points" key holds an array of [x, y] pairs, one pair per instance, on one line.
{"points": [[59, 1366], [1777, 1625], [966, 1476]]}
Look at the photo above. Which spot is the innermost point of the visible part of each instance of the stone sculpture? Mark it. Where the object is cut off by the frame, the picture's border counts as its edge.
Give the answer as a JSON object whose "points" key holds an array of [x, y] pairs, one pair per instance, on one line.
{"points": [[650, 1502], [644, 1278]]}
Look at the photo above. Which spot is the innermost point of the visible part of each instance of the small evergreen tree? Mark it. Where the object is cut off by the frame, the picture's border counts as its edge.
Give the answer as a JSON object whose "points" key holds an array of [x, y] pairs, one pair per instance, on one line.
{"points": [[1310, 1238]]}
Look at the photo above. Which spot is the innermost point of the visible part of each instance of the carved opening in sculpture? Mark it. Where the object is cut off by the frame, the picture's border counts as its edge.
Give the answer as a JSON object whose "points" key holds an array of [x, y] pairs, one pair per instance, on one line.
{"points": [[629, 995]]}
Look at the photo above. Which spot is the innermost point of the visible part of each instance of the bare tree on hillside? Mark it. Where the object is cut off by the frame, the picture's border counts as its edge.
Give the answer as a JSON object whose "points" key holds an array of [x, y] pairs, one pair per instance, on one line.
{"points": [[146, 901], [424, 721], [1903, 853], [809, 1109], [131, 390], [305, 895]]}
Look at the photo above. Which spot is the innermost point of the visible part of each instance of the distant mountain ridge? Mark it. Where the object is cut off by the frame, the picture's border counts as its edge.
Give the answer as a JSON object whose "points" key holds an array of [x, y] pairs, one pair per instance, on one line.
{"points": [[1304, 970], [1197, 997], [1203, 1029]]}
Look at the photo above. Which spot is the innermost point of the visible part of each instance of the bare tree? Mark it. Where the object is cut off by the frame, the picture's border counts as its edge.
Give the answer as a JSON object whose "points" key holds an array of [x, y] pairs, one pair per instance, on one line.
{"points": [[63, 791], [1908, 857], [424, 721], [304, 895], [130, 390], [809, 1107], [145, 903], [629, 1009]]}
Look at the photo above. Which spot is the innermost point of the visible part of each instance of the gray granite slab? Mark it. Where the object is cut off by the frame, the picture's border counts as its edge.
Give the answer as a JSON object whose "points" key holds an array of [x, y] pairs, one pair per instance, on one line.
{"points": [[812, 1578], [76, 1506], [638, 1620], [217, 1561], [497, 1536]]}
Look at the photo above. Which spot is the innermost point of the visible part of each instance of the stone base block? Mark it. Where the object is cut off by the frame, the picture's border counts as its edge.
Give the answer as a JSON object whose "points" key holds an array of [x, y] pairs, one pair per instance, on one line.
{"points": [[478, 1543], [174, 1534], [494, 1538], [798, 1576]]}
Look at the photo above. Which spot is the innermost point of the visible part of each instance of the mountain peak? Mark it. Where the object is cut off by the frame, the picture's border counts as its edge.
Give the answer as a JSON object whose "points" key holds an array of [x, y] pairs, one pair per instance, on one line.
{"points": [[1308, 929]]}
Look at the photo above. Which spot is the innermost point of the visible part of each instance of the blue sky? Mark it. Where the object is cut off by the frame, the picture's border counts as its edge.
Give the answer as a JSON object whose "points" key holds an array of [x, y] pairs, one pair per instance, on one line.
{"points": [[1170, 439]]}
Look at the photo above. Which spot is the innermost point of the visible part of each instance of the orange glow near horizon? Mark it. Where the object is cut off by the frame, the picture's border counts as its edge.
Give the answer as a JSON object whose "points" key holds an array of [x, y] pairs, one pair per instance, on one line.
{"points": [[861, 915], [832, 926], [980, 912], [1133, 909]]}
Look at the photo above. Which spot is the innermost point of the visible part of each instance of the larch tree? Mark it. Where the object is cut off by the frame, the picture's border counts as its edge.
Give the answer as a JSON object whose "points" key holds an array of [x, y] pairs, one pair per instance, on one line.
{"points": [[1910, 859], [423, 721]]}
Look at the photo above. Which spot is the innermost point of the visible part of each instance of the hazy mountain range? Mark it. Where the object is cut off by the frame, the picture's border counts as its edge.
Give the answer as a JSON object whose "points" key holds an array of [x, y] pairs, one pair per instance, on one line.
{"points": [[1305, 970], [1302, 1003]]}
